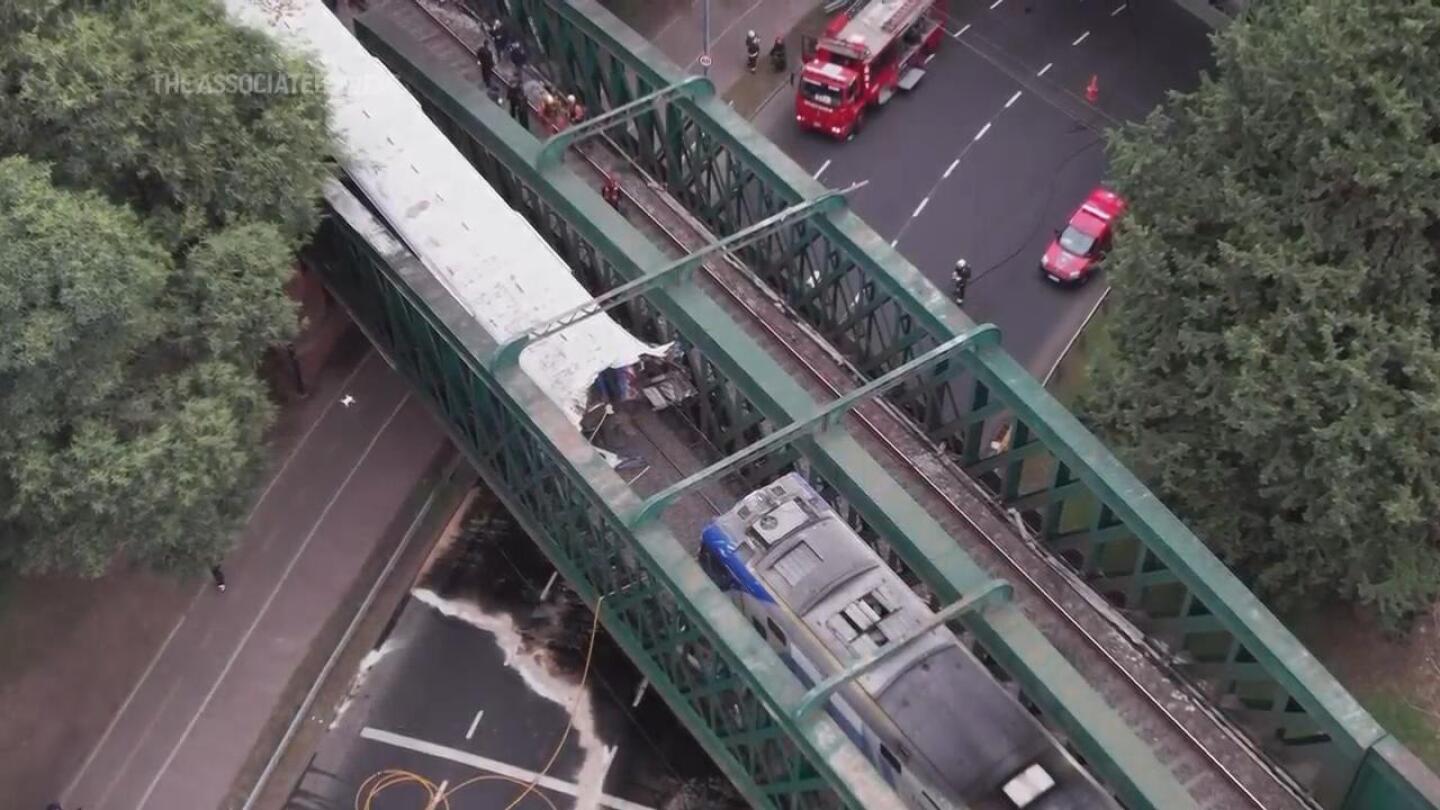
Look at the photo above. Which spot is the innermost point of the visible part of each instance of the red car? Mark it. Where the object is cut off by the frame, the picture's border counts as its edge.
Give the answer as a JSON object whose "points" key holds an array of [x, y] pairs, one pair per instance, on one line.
{"points": [[1075, 252]]}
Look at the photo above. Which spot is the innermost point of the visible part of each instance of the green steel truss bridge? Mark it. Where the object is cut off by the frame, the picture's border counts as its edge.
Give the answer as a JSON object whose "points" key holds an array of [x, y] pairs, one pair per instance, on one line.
{"points": [[815, 346]]}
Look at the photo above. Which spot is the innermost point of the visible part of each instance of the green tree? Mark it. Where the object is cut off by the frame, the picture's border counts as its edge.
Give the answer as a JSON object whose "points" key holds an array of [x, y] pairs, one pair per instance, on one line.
{"points": [[229, 296], [145, 238], [80, 289], [166, 106], [162, 477], [1276, 301]]}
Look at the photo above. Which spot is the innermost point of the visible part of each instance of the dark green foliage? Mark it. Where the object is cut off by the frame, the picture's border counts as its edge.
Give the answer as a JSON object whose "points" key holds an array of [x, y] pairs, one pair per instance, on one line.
{"points": [[146, 233], [1276, 371], [148, 102]]}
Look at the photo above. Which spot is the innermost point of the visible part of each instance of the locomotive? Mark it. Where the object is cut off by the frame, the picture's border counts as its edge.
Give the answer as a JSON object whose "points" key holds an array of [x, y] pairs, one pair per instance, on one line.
{"points": [[931, 718]]}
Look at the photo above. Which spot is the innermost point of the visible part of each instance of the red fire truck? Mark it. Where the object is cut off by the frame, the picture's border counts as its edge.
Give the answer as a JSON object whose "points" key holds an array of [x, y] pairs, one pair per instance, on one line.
{"points": [[863, 58]]}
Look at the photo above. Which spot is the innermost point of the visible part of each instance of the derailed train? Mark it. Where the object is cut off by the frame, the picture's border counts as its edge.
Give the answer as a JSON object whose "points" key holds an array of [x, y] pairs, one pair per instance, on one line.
{"points": [[939, 728]]}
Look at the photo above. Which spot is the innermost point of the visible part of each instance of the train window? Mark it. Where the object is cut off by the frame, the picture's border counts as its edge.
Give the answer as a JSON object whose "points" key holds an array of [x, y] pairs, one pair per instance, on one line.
{"points": [[890, 759], [776, 632]]}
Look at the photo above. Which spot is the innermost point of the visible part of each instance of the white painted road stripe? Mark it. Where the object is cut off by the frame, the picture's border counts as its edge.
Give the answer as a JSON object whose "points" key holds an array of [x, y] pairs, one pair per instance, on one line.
{"points": [[470, 732], [550, 583], [953, 164], [920, 207], [1048, 65], [821, 170], [982, 131], [1013, 99], [996, 4], [961, 31], [893, 243], [1081, 38], [928, 58], [491, 765], [1119, 9]]}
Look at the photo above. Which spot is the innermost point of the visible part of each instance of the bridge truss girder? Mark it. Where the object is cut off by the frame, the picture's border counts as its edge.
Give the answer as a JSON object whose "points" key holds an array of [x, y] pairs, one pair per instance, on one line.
{"points": [[599, 244], [869, 303]]}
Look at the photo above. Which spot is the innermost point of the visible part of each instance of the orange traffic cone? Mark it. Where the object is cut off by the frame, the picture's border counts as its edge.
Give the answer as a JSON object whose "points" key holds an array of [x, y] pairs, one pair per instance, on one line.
{"points": [[1092, 90]]}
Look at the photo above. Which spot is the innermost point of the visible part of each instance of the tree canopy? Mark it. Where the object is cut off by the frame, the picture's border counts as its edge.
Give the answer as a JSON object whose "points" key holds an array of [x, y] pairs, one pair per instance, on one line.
{"points": [[148, 226], [1276, 302]]}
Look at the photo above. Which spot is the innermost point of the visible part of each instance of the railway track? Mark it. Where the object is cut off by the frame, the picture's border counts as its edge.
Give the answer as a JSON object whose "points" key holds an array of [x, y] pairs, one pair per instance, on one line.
{"points": [[1221, 767]]}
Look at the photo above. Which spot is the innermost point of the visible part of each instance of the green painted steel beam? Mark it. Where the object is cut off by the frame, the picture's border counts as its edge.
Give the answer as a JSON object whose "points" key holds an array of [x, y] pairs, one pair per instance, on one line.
{"points": [[676, 271], [1235, 606], [692, 87], [823, 418], [1120, 758]]}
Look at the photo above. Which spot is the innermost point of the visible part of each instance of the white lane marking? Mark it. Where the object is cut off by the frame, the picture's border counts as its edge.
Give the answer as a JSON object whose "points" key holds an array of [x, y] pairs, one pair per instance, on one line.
{"points": [[270, 600], [996, 4], [347, 400], [474, 724], [1080, 38], [893, 243], [1119, 9], [548, 585], [928, 58], [821, 170], [640, 693], [491, 765], [1013, 99], [953, 164], [1047, 67], [165, 645], [957, 34], [982, 131], [920, 207]]}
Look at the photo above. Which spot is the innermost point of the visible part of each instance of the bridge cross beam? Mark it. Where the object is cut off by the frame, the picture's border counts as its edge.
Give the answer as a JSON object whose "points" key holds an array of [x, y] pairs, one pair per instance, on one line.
{"points": [[823, 419], [509, 352], [693, 87]]}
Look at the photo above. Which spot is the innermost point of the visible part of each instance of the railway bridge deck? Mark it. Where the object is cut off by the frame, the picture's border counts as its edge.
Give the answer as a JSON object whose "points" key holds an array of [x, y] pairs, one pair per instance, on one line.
{"points": [[1129, 639]]}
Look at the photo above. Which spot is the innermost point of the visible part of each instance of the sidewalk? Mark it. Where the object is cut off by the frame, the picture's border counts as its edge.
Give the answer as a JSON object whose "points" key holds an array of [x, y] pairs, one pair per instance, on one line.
{"points": [[140, 692]]}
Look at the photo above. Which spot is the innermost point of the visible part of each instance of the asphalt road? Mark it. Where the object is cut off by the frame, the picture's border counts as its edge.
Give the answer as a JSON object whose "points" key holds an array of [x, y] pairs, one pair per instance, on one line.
{"points": [[478, 678], [996, 147], [186, 730]]}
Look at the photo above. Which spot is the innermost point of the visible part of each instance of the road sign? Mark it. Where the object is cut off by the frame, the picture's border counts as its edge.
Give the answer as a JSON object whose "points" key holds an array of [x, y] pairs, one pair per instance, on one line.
{"points": [[705, 60]]}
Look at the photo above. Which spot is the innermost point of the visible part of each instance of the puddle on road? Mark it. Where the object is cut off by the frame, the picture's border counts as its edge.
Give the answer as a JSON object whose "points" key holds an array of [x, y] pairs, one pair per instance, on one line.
{"points": [[490, 575]]}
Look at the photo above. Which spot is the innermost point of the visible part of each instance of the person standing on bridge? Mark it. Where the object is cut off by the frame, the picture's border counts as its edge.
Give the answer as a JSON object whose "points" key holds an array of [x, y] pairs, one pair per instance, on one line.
{"points": [[519, 110], [486, 60], [518, 58], [960, 279]]}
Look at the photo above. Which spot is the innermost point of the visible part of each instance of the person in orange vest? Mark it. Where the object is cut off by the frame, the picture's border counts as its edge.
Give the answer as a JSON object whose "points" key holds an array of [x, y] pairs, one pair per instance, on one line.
{"points": [[610, 191]]}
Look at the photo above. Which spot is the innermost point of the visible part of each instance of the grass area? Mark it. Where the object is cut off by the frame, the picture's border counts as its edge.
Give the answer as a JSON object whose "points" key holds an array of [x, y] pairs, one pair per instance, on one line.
{"points": [[1417, 728]]}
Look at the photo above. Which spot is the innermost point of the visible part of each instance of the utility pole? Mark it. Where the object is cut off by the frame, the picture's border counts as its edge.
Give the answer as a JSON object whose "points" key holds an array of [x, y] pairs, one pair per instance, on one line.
{"points": [[705, 33]]}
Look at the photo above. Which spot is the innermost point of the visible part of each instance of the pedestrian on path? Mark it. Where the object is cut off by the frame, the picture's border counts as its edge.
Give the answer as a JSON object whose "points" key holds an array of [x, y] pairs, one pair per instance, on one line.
{"points": [[576, 111], [515, 96], [610, 192], [219, 577], [486, 60]]}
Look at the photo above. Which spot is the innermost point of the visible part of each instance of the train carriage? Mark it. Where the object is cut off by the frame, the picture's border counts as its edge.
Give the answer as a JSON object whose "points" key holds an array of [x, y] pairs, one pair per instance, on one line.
{"points": [[931, 718]]}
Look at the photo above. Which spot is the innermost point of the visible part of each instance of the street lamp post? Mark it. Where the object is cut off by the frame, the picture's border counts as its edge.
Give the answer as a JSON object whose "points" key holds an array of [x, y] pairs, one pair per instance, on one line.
{"points": [[705, 33]]}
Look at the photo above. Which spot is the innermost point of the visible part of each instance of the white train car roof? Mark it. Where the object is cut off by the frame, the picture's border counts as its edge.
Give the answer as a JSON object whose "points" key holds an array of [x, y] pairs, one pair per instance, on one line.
{"points": [[484, 252]]}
